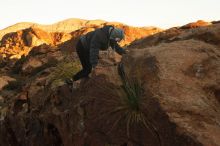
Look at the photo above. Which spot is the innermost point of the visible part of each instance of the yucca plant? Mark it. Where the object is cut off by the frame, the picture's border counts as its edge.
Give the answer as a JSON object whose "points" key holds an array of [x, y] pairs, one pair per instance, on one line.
{"points": [[123, 105], [132, 86], [133, 89]]}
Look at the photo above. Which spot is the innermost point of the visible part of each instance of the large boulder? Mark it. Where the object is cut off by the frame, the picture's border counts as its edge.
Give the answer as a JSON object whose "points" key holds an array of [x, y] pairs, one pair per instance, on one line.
{"points": [[186, 85], [31, 64], [179, 101]]}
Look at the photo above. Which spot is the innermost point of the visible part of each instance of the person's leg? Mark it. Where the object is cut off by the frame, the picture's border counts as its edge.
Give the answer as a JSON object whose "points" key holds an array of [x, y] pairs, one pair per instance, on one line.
{"points": [[88, 66], [84, 59]]}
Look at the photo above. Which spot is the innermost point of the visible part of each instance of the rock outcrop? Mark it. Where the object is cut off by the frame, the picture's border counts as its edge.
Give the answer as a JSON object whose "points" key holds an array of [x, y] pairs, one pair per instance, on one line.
{"points": [[186, 86], [16, 44], [164, 92]]}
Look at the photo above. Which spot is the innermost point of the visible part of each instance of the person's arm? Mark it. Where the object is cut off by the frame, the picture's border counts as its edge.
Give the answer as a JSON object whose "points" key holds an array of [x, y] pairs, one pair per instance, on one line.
{"points": [[94, 50], [117, 48]]}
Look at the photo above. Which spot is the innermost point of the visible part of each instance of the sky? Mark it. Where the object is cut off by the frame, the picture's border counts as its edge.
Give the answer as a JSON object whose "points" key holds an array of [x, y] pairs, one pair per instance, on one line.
{"points": [[160, 13]]}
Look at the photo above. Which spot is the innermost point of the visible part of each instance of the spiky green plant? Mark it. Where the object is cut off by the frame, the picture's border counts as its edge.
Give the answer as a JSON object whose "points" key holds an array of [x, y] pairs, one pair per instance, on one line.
{"points": [[133, 89], [127, 103], [134, 96]]}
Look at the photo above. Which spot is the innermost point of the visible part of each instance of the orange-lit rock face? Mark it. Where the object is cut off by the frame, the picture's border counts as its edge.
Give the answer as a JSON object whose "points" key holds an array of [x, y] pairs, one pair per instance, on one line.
{"points": [[35, 37], [199, 23], [12, 39], [16, 44], [132, 33]]}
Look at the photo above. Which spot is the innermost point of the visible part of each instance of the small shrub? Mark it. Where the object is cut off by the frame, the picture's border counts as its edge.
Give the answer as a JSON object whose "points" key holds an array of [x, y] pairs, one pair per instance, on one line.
{"points": [[64, 70]]}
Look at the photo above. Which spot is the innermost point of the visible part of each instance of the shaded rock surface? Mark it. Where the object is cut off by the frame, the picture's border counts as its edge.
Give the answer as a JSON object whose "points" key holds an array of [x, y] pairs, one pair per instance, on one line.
{"points": [[4, 81]]}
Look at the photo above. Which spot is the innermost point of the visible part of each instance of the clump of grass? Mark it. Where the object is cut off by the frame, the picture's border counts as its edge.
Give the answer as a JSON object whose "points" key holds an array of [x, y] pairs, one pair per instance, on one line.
{"points": [[64, 70]]}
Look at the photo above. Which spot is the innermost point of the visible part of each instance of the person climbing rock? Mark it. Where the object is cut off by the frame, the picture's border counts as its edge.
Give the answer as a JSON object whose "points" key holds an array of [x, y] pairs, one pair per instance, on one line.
{"points": [[89, 45]]}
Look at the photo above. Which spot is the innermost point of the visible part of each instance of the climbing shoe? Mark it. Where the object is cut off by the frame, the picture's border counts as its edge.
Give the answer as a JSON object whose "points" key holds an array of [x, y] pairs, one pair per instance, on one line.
{"points": [[69, 81]]}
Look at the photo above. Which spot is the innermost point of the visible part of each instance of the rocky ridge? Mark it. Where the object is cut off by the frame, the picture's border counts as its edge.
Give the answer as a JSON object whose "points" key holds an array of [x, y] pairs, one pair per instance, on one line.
{"points": [[165, 91]]}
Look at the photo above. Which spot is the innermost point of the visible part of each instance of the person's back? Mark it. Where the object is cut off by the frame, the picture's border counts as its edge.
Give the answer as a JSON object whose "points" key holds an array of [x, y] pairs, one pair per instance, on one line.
{"points": [[100, 35]]}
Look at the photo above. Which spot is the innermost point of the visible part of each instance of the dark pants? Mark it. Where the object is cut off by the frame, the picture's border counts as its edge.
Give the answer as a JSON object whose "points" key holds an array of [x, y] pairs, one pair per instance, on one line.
{"points": [[84, 59]]}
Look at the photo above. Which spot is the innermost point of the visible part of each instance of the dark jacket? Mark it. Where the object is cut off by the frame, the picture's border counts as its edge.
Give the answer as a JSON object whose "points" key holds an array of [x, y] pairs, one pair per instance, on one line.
{"points": [[99, 40]]}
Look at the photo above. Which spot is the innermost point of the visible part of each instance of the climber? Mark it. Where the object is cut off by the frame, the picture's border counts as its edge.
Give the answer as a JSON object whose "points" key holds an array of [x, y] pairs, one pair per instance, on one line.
{"points": [[89, 45]]}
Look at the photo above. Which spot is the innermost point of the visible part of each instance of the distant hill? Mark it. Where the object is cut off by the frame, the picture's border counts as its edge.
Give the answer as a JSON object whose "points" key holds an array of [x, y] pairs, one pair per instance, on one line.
{"points": [[67, 25], [19, 39]]}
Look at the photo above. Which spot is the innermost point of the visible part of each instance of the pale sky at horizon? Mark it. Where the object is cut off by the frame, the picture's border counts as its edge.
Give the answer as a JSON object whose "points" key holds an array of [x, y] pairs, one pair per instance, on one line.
{"points": [[160, 13]]}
